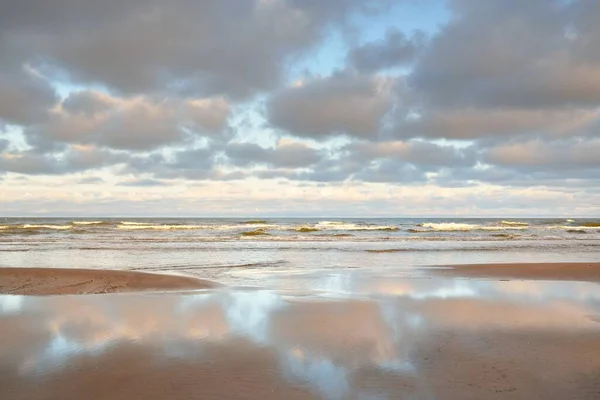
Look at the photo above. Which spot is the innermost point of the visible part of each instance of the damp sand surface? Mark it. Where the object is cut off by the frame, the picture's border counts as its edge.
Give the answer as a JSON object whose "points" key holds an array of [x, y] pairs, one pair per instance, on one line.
{"points": [[331, 335], [60, 281]]}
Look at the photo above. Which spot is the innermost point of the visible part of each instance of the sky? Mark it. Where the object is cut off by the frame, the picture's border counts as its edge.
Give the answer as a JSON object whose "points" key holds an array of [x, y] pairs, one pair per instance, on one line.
{"points": [[300, 108]]}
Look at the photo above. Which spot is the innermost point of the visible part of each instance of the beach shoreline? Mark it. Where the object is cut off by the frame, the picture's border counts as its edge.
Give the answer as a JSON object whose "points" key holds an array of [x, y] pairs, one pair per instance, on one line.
{"points": [[558, 271], [67, 281]]}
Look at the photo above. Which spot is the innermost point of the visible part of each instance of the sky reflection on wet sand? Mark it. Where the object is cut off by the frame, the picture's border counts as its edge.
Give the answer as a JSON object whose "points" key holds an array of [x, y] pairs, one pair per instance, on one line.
{"points": [[354, 336]]}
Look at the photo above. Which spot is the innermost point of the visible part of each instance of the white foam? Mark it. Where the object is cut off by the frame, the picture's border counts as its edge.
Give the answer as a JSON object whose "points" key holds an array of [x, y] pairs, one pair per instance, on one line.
{"points": [[459, 227], [162, 227], [449, 226], [513, 223], [86, 222], [344, 226], [57, 227]]}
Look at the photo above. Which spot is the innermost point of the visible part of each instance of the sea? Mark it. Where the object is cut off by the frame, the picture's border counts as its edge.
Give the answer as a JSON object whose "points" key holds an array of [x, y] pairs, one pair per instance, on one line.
{"points": [[242, 251]]}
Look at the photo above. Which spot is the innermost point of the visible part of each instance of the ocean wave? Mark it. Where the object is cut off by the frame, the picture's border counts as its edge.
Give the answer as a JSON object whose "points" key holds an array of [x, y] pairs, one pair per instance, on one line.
{"points": [[55, 227], [571, 227], [513, 223], [590, 224], [89, 222], [306, 229], [460, 227], [347, 226], [256, 232], [132, 223], [137, 227]]}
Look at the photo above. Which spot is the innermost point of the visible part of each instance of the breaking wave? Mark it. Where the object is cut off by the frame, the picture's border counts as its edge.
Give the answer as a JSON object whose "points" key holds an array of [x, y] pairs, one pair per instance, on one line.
{"points": [[513, 223], [28, 227], [347, 226], [461, 227], [144, 226], [89, 222]]}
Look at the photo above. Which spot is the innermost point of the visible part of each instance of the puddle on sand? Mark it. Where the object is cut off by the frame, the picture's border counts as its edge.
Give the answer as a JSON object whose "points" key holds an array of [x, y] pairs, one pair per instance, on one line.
{"points": [[348, 335]]}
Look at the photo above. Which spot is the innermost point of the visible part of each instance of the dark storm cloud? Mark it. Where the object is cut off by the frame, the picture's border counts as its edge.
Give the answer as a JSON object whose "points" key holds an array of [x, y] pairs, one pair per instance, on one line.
{"points": [[202, 47], [343, 104], [394, 50], [287, 155]]}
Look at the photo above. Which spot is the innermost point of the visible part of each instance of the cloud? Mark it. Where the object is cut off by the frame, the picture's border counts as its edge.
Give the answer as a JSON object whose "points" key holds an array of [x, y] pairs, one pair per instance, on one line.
{"points": [[504, 94], [24, 97], [504, 68], [143, 183], [198, 48], [473, 123], [91, 180], [342, 104], [137, 123], [536, 154], [287, 154], [4, 143], [76, 158], [512, 54], [416, 152], [394, 50]]}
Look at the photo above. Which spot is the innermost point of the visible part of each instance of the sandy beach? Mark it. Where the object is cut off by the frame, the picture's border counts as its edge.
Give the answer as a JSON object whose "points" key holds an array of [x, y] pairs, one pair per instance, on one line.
{"points": [[497, 332], [58, 281], [582, 272]]}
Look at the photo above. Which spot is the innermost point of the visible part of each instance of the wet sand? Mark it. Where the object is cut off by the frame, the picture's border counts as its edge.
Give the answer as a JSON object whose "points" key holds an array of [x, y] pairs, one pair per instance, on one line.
{"points": [[582, 272], [57, 281], [438, 339], [339, 335]]}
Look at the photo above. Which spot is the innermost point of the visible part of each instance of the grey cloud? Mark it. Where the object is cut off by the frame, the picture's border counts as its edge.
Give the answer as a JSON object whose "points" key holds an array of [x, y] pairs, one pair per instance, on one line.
{"points": [[4, 143], [344, 103], [190, 47], [473, 123], [510, 53], [24, 98], [503, 68], [391, 171], [194, 164], [416, 152], [73, 160], [544, 155], [88, 102], [136, 123], [143, 183], [287, 155], [92, 180], [394, 50]]}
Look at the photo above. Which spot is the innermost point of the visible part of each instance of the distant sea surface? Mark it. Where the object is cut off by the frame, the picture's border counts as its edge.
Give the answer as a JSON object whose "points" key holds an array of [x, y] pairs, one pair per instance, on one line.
{"points": [[240, 251]]}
